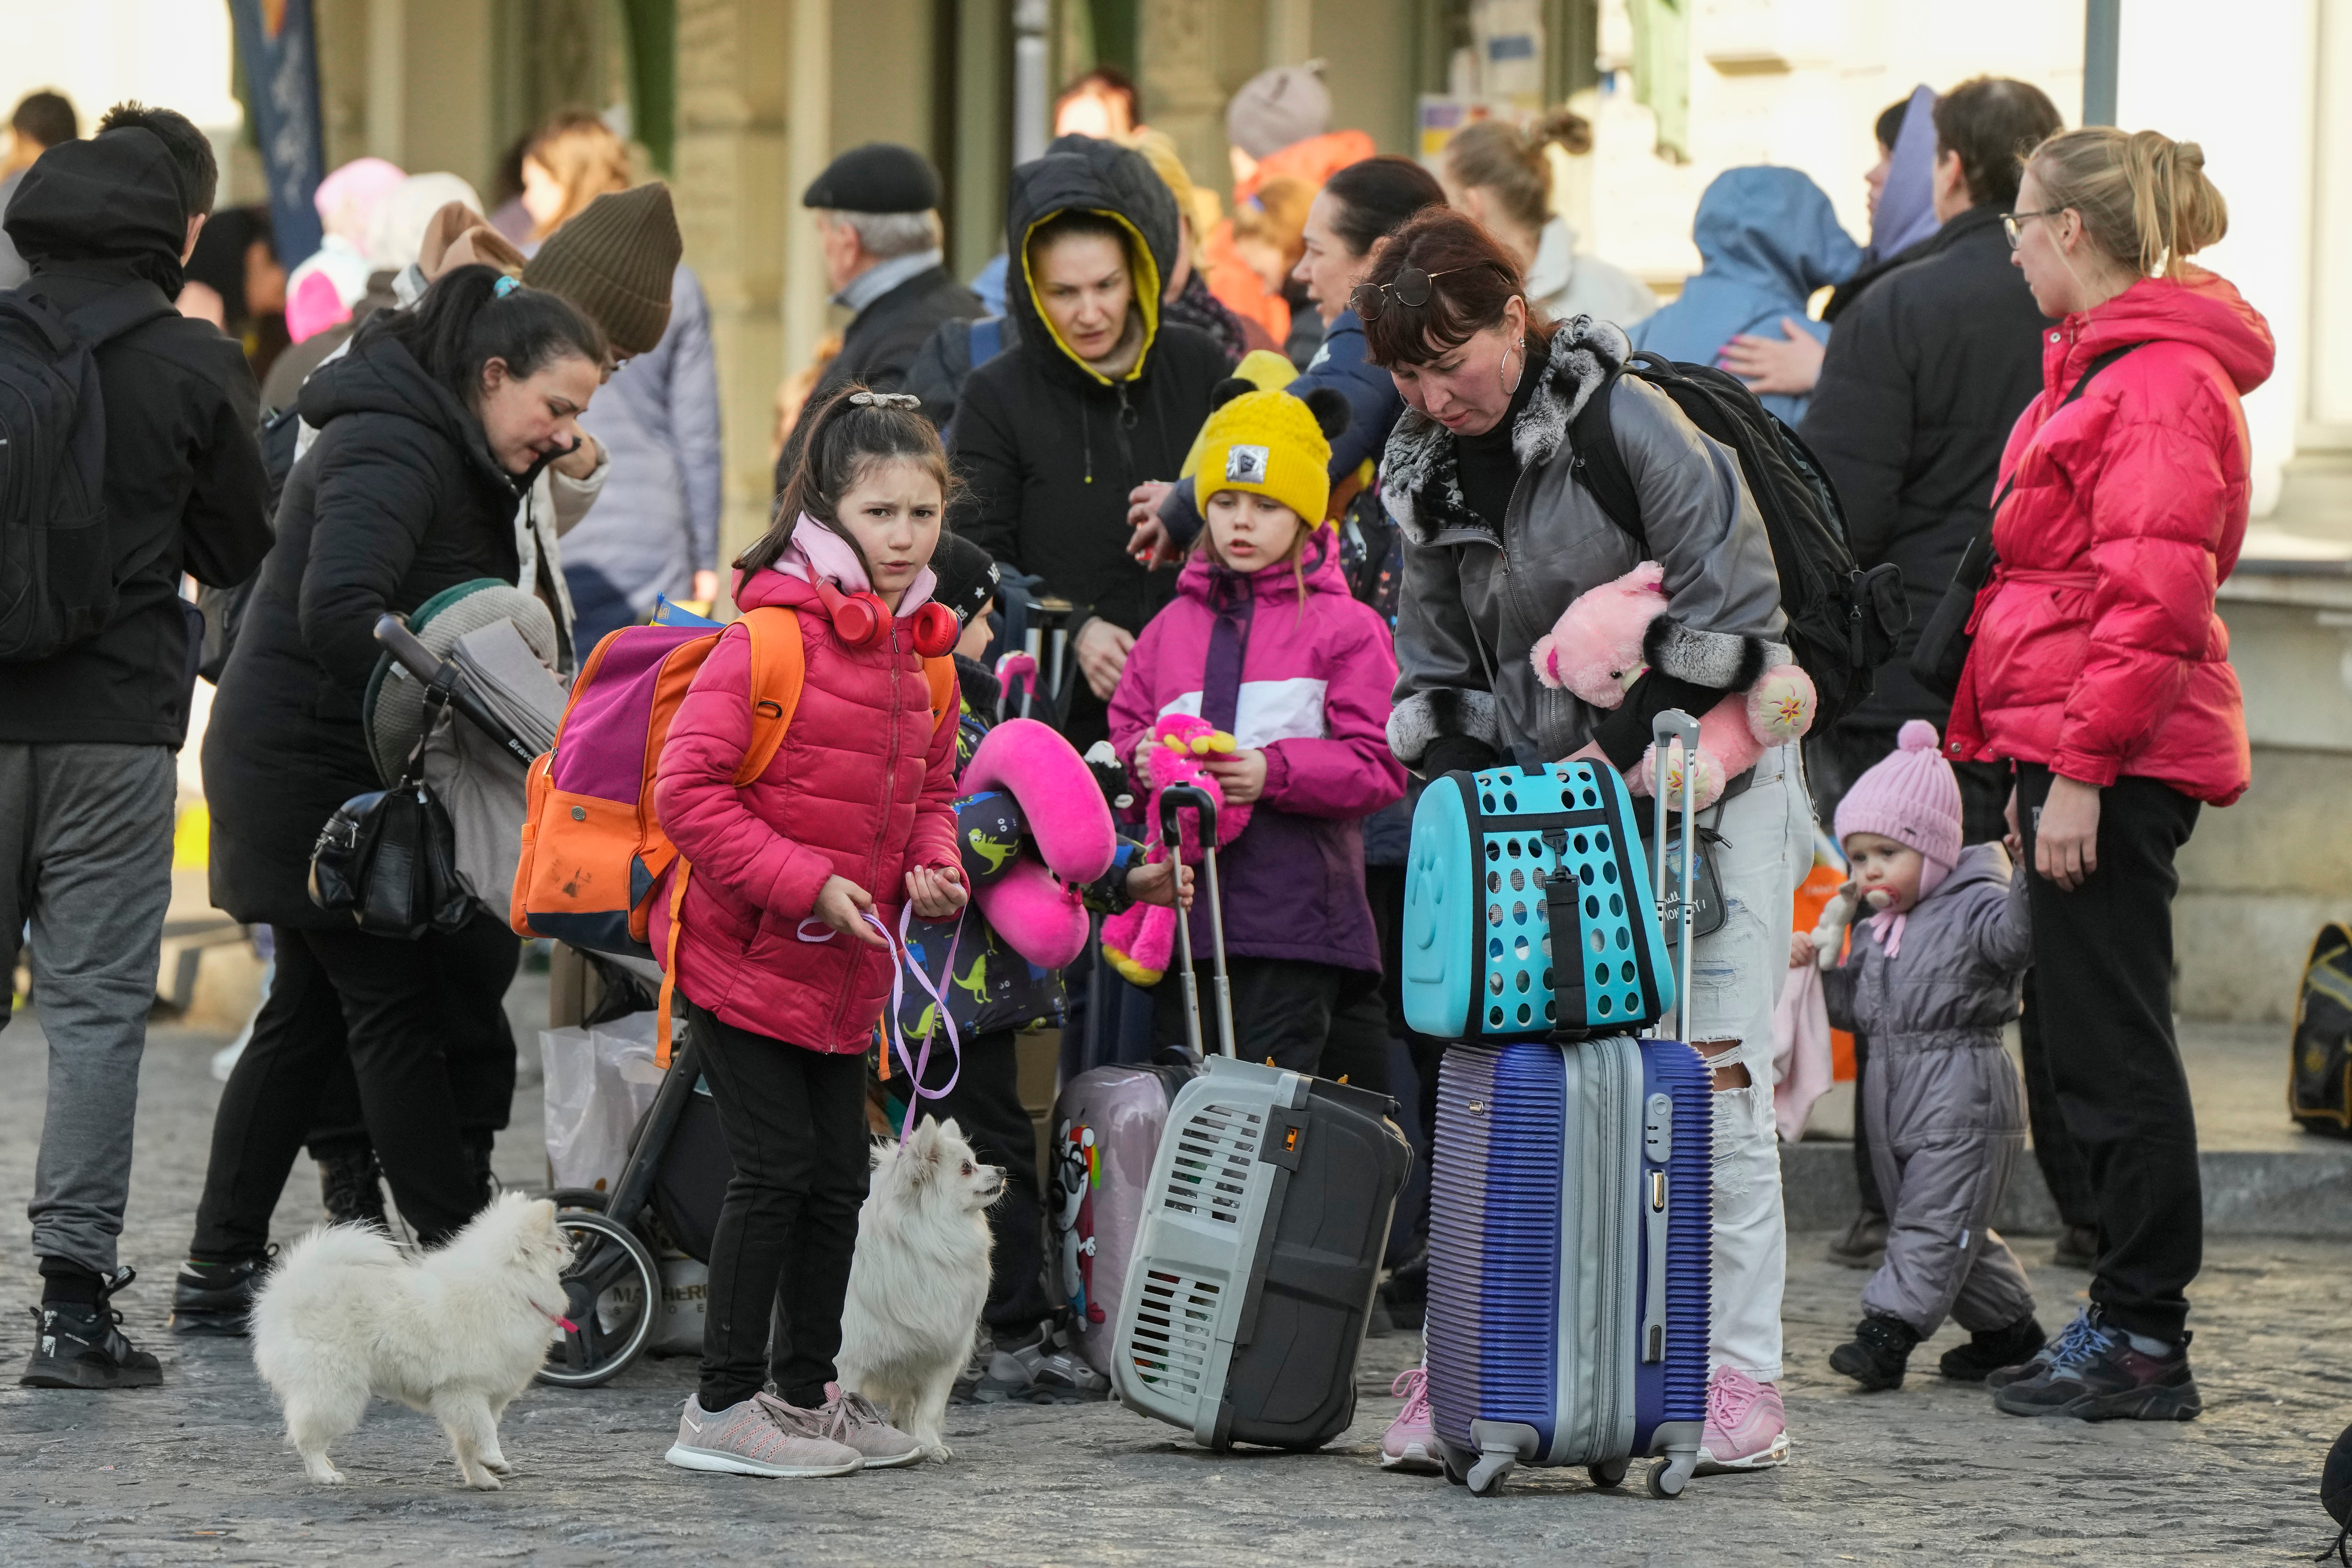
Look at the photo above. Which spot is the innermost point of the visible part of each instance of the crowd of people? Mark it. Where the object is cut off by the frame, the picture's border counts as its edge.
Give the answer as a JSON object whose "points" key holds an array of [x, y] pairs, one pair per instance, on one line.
{"points": [[1308, 471]]}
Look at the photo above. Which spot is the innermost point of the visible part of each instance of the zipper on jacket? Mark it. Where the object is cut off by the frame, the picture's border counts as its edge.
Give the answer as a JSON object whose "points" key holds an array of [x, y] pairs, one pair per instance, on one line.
{"points": [[889, 800], [1129, 416]]}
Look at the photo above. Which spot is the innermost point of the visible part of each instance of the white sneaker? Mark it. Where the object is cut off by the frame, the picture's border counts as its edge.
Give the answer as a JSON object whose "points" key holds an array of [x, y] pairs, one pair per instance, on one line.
{"points": [[763, 1436]]}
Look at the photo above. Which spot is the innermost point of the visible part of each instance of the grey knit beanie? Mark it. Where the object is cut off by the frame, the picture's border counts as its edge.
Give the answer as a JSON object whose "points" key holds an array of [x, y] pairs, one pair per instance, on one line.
{"points": [[1278, 107]]}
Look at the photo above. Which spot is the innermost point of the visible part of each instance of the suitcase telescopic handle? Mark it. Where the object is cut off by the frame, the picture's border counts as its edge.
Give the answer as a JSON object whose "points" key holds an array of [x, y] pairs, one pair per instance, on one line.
{"points": [[1669, 727], [1174, 799]]}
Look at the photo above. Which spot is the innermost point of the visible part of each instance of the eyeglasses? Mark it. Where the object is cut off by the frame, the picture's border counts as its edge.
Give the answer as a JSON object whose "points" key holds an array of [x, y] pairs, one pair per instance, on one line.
{"points": [[1411, 287], [2010, 222]]}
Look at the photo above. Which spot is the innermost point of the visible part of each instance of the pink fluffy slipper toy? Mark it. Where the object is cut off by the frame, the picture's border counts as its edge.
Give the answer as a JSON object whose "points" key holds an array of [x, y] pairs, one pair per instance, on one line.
{"points": [[1069, 840], [1140, 941]]}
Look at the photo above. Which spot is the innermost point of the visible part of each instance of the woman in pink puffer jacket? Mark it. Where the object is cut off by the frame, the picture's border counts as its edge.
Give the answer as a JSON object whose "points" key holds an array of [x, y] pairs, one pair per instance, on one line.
{"points": [[780, 972]]}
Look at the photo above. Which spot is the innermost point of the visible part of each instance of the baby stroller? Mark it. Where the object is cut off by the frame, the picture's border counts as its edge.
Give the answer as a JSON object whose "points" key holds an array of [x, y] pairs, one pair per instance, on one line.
{"points": [[612, 1285]]}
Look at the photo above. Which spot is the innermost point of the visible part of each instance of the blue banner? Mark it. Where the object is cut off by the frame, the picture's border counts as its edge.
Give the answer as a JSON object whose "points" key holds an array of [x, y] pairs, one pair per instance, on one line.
{"points": [[279, 50]]}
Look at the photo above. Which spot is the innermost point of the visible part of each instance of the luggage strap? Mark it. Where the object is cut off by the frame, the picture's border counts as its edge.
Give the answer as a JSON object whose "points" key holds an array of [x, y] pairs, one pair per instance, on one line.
{"points": [[1563, 896]]}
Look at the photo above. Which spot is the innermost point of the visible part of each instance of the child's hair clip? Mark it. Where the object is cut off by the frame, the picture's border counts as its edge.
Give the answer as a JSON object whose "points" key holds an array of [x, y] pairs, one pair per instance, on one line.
{"points": [[504, 287]]}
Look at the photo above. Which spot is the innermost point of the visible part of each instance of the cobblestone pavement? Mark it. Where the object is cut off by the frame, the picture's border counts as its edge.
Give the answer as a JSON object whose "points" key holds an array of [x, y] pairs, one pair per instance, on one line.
{"points": [[195, 1472]]}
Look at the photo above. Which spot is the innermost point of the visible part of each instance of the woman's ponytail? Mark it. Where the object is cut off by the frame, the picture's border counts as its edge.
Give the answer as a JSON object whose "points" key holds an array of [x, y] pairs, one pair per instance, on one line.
{"points": [[2144, 198], [474, 314]]}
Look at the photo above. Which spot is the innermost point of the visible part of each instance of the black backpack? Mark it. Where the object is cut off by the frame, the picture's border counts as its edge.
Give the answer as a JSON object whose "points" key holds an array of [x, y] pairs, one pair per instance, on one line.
{"points": [[1843, 620], [2319, 1073], [57, 555]]}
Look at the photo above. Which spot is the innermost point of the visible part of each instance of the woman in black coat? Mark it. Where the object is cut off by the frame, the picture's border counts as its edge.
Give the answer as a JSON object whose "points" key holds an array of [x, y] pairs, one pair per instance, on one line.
{"points": [[430, 429]]}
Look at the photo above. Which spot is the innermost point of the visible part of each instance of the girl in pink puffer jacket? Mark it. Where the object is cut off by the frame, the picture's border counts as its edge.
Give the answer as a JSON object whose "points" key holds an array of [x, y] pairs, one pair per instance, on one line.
{"points": [[780, 972]]}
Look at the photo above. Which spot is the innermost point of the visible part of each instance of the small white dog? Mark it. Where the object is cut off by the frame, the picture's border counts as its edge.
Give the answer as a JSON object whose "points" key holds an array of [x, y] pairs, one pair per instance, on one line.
{"points": [[920, 1277], [456, 1332]]}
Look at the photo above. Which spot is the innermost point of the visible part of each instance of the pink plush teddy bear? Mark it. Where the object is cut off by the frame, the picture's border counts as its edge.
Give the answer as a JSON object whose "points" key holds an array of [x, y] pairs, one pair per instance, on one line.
{"points": [[1139, 942], [1595, 651]]}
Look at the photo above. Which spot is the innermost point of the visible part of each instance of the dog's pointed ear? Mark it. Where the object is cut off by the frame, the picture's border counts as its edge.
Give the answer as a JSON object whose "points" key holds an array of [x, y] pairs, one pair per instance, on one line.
{"points": [[948, 1130]]}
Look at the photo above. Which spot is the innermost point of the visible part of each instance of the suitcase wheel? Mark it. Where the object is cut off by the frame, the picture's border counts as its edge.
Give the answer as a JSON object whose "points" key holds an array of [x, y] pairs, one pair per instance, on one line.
{"points": [[1485, 1478], [1669, 1474], [1608, 1473], [1455, 1471]]}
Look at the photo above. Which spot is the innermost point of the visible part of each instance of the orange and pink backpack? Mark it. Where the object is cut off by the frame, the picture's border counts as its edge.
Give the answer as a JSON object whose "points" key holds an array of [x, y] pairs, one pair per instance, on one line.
{"points": [[593, 851]]}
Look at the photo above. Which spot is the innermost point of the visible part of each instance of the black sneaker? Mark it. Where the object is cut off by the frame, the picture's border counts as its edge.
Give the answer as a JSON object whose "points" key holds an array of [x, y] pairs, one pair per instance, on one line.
{"points": [[2070, 1338], [1862, 1244], [1994, 1351], [81, 1347], [351, 1187], [966, 1388], [2096, 1374], [1877, 1354], [2078, 1248], [216, 1297]]}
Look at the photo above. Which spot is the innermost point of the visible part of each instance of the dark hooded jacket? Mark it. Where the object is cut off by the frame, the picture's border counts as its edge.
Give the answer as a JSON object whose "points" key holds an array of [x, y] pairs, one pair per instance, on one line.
{"points": [[397, 499], [184, 487], [1047, 449], [1925, 375]]}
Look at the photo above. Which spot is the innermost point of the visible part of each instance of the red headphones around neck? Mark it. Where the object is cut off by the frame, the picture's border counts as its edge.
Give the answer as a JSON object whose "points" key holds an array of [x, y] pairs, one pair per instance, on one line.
{"points": [[863, 620]]}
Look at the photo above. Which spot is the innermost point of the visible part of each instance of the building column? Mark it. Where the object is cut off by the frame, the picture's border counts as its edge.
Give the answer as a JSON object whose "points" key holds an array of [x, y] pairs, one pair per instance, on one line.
{"points": [[736, 74], [1177, 55]]}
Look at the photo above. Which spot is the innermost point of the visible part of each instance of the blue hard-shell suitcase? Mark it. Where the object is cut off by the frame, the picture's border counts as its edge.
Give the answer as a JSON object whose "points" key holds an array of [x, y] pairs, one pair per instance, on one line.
{"points": [[1510, 864], [1569, 1260]]}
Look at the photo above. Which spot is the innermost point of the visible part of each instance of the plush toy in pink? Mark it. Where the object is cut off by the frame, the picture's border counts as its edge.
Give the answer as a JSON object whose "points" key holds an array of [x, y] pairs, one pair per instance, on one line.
{"points": [[1067, 834], [1140, 942], [1595, 651]]}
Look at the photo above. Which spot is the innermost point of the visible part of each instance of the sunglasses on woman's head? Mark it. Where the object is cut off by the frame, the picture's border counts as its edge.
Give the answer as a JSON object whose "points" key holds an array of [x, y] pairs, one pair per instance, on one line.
{"points": [[1411, 287]]}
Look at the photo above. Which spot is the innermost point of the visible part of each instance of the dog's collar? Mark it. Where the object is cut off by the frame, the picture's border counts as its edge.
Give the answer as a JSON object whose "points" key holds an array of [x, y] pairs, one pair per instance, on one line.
{"points": [[561, 1322]]}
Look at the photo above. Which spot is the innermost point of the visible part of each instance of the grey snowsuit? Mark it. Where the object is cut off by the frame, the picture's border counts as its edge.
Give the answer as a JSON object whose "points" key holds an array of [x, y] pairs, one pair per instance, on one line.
{"points": [[1942, 1101]]}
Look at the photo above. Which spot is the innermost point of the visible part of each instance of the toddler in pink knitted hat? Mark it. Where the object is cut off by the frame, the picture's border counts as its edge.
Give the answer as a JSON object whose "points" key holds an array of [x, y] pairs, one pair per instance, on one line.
{"points": [[1931, 983]]}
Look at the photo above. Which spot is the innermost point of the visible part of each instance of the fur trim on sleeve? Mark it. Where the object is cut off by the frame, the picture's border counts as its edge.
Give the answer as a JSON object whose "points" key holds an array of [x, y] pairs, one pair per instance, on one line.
{"points": [[1721, 661], [1426, 717]]}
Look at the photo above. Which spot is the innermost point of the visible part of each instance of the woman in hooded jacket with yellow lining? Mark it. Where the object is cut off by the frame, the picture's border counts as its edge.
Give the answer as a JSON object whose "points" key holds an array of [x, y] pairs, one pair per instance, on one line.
{"points": [[1099, 394]]}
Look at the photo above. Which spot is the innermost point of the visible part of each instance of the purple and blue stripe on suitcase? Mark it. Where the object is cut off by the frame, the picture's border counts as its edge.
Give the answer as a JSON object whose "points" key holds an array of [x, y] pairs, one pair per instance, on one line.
{"points": [[1569, 1259]]}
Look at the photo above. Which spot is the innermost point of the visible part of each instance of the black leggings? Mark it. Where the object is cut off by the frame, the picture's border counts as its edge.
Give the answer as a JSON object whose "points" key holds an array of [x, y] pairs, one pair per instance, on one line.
{"points": [[420, 1027], [796, 1126], [2102, 985]]}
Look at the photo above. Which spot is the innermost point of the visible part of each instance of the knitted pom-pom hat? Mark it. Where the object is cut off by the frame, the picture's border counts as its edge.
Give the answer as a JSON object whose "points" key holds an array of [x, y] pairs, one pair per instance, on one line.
{"points": [[615, 262], [1911, 796]]}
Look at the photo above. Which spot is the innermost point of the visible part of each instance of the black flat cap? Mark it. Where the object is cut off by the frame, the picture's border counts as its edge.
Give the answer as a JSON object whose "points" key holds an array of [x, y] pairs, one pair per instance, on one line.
{"points": [[879, 177]]}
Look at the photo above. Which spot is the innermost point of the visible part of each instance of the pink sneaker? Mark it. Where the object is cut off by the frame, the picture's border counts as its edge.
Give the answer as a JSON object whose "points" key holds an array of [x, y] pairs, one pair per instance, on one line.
{"points": [[1746, 1429], [1411, 1443]]}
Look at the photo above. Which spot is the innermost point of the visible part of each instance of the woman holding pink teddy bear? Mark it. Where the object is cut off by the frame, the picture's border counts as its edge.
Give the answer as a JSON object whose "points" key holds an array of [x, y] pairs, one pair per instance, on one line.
{"points": [[1533, 628]]}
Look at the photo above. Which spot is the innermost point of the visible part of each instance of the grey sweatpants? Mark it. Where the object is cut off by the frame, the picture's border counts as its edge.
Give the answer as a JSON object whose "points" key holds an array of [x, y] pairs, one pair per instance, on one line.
{"points": [[1947, 1125], [85, 860]]}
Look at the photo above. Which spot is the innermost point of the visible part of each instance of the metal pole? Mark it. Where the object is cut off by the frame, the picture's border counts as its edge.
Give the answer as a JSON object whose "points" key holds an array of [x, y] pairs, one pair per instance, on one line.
{"points": [[2102, 33], [1031, 18]]}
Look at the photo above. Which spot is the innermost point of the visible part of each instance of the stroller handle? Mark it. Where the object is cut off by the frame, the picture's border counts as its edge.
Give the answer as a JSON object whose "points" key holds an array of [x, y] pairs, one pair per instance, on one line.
{"points": [[418, 660], [1186, 797]]}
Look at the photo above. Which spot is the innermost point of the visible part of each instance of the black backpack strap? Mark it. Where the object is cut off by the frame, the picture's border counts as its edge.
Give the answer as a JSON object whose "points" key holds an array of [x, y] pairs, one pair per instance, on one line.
{"points": [[1600, 467]]}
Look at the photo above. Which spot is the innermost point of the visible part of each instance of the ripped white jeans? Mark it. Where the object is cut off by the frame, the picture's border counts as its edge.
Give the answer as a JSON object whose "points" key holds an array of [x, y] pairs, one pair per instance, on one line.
{"points": [[1736, 975]]}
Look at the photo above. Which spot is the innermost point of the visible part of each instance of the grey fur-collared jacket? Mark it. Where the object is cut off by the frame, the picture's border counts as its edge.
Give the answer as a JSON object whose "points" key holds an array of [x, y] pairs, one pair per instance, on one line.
{"points": [[1474, 605]]}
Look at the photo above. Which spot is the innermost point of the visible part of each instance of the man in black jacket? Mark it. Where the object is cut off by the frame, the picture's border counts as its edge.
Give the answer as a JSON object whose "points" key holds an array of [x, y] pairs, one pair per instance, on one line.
{"points": [[1051, 436], [87, 736], [877, 214], [1927, 371], [1935, 353]]}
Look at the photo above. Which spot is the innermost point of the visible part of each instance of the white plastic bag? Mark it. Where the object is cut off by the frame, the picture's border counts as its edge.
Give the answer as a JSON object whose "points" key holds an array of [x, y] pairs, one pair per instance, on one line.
{"points": [[685, 1287], [599, 1082]]}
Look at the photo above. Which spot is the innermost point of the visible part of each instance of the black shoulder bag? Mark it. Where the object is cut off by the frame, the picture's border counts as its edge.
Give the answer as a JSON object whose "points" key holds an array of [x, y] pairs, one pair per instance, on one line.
{"points": [[1943, 649], [389, 859]]}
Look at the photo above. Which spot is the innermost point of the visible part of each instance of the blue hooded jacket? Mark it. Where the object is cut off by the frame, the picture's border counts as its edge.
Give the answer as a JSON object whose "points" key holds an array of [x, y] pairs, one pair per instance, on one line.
{"points": [[1766, 238]]}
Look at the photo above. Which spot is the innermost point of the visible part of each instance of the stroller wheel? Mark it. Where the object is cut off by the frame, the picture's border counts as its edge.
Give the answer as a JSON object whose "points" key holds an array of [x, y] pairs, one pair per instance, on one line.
{"points": [[612, 1289]]}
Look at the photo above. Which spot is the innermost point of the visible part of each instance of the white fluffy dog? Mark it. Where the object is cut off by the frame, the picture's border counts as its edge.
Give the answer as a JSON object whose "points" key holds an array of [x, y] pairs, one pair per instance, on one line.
{"points": [[456, 1332], [920, 1277]]}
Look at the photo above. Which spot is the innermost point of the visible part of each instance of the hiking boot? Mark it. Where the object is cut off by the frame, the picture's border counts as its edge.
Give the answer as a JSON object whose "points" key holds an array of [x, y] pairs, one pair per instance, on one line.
{"points": [[350, 1189], [82, 1347], [1993, 1351], [763, 1436], [1862, 1244], [2099, 1375], [1411, 1441], [1746, 1429], [2078, 1248], [852, 1421], [1877, 1354]]}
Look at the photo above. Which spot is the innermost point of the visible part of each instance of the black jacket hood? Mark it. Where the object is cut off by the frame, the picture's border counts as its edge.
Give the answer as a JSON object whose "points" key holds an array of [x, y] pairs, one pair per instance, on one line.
{"points": [[382, 376], [112, 200], [1081, 173]]}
